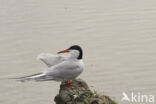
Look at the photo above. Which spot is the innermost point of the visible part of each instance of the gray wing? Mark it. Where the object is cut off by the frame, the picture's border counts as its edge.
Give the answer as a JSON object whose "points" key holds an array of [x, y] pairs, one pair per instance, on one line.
{"points": [[50, 59], [64, 71]]}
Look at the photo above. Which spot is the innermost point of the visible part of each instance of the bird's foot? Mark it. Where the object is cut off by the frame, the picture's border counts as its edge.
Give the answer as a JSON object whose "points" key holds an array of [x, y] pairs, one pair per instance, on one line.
{"points": [[68, 84]]}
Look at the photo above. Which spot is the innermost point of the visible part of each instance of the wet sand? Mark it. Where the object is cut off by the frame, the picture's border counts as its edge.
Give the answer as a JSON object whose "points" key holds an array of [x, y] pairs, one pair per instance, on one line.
{"points": [[118, 38]]}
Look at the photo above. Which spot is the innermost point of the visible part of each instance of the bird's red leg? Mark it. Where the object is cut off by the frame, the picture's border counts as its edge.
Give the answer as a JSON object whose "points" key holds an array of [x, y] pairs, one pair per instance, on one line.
{"points": [[68, 84]]}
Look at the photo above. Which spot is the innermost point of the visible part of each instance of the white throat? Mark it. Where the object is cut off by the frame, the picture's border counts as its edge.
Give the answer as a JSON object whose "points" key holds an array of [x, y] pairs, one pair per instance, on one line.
{"points": [[74, 54]]}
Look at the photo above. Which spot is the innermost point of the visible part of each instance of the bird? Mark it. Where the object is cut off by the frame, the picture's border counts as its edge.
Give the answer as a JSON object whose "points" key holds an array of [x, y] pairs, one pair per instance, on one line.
{"points": [[60, 66]]}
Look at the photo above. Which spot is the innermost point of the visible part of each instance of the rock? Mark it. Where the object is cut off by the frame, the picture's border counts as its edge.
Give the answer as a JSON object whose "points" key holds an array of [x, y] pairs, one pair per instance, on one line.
{"points": [[80, 94]]}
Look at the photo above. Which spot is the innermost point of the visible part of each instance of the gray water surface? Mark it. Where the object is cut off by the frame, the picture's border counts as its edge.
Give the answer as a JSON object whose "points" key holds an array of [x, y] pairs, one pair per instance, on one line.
{"points": [[118, 38]]}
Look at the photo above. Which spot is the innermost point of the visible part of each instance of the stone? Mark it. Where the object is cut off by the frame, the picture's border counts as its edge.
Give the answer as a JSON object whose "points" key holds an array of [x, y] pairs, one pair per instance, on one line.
{"points": [[80, 94]]}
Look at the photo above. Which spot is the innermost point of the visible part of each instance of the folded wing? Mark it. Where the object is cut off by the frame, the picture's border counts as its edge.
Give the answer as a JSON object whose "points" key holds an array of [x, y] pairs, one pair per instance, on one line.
{"points": [[66, 70]]}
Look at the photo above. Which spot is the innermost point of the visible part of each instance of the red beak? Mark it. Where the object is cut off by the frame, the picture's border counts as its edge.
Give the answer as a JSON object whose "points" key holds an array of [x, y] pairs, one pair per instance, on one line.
{"points": [[64, 51]]}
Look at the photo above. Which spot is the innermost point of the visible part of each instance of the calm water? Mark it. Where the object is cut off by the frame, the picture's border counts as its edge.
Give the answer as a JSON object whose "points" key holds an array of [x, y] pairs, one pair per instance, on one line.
{"points": [[118, 38]]}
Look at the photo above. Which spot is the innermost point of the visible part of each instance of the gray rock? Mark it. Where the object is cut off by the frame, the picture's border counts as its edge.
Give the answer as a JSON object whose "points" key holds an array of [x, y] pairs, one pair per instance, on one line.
{"points": [[80, 94]]}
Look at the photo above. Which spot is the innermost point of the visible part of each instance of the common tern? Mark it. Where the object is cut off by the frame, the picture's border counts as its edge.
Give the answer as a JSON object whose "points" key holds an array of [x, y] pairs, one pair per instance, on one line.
{"points": [[59, 67]]}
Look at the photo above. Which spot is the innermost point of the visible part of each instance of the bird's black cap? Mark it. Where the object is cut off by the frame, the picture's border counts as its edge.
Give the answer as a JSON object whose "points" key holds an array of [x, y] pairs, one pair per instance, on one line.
{"points": [[77, 47]]}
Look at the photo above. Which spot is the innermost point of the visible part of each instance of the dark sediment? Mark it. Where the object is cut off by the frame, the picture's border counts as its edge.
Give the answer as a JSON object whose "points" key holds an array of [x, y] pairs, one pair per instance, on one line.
{"points": [[80, 94]]}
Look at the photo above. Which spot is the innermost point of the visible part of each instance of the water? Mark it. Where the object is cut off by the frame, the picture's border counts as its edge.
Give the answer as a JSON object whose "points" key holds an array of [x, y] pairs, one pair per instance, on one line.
{"points": [[118, 38]]}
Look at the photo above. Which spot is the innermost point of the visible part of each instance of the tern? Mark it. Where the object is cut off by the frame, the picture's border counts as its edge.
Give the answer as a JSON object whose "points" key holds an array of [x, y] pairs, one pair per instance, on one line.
{"points": [[59, 67]]}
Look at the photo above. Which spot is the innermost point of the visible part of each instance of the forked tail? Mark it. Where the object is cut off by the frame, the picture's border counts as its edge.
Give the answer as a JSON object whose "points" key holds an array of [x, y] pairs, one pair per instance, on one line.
{"points": [[34, 77]]}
